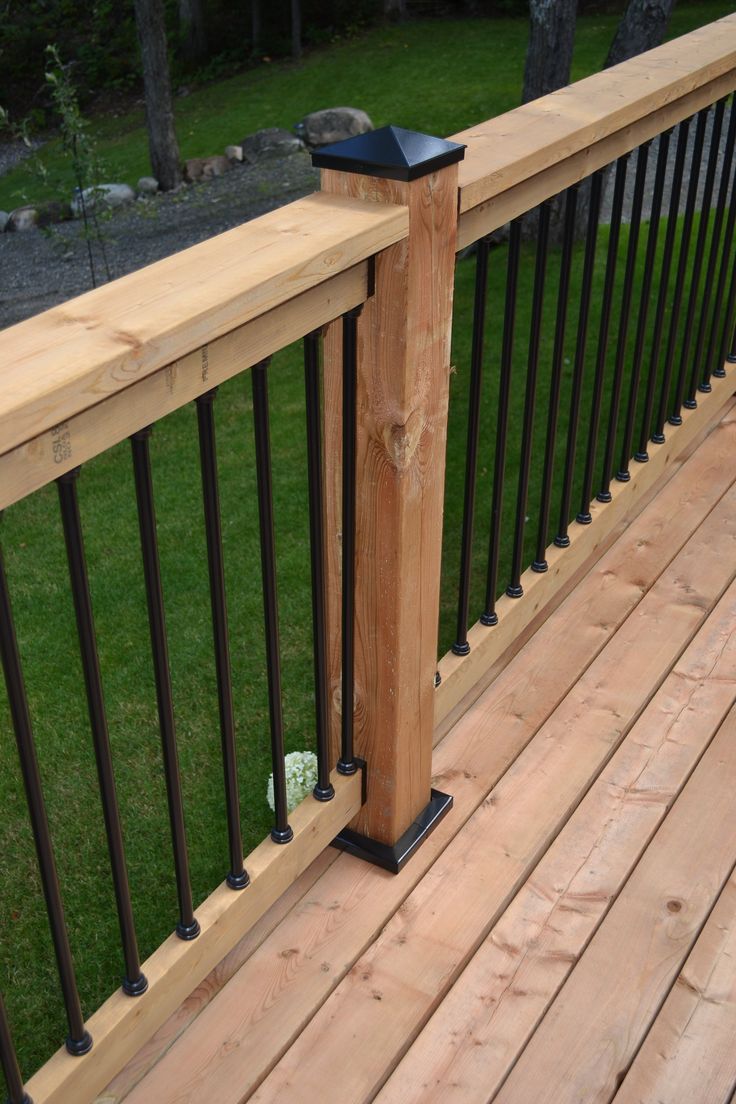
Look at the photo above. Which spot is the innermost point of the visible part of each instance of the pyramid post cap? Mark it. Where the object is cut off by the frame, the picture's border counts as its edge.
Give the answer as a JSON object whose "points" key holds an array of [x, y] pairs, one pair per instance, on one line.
{"points": [[390, 152]]}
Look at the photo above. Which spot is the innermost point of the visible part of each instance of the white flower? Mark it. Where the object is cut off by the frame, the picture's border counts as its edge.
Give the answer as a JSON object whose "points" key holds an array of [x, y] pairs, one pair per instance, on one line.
{"points": [[301, 778]]}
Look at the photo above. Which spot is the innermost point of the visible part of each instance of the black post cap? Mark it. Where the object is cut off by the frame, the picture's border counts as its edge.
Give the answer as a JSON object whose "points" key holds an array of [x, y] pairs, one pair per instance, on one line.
{"points": [[391, 152]]}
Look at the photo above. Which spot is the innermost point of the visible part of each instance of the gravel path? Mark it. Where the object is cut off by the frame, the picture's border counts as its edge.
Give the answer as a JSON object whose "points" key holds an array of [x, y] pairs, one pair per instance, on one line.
{"points": [[39, 269]]}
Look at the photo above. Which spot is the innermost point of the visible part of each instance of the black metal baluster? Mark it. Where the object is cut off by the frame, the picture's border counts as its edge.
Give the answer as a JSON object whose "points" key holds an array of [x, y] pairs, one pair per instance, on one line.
{"points": [[714, 346], [461, 646], [79, 1040], [346, 763], [584, 516], [558, 355], [237, 877], [682, 267], [562, 540], [281, 831], [657, 434], [604, 495], [134, 981], [641, 326], [728, 335], [489, 615], [694, 301], [9, 1062], [187, 926], [663, 299], [515, 589], [324, 790], [701, 365]]}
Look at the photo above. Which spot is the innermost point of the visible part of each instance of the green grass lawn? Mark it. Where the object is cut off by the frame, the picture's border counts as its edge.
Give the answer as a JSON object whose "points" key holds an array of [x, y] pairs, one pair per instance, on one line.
{"points": [[434, 76], [32, 540]]}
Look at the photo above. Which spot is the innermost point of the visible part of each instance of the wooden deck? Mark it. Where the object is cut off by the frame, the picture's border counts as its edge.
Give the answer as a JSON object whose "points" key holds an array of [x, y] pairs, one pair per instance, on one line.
{"points": [[568, 934]]}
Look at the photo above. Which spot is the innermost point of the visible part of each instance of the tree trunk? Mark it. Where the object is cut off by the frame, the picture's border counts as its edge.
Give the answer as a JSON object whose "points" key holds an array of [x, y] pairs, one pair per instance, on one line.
{"points": [[296, 29], [642, 28], [549, 53], [255, 26], [193, 35], [395, 9], [162, 144], [548, 61]]}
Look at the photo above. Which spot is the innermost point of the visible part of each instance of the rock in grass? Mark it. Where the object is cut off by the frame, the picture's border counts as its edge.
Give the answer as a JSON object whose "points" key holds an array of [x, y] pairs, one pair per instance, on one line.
{"points": [[272, 142], [4, 218], [22, 218], [205, 168], [102, 195], [334, 124], [147, 186]]}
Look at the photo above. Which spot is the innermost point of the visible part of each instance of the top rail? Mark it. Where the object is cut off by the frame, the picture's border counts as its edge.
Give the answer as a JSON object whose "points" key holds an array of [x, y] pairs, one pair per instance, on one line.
{"points": [[520, 158], [78, 354]]}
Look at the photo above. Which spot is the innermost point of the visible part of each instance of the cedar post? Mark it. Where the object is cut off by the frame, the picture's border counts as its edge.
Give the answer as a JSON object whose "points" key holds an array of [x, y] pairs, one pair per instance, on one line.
{"points": [[403, 385]]}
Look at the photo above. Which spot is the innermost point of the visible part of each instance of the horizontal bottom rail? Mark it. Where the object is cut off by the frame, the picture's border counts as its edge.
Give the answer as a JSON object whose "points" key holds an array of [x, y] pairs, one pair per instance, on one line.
{"points": [[460, 674], [123, 1024]]}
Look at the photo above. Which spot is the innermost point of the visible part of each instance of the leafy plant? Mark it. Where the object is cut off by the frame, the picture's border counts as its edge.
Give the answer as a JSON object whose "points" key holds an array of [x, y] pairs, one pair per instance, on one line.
{"points": [[77, 142]]}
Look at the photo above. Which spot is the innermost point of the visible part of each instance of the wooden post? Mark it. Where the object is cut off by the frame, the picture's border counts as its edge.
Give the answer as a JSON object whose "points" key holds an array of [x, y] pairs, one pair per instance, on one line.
{"points": [[403, 385]]}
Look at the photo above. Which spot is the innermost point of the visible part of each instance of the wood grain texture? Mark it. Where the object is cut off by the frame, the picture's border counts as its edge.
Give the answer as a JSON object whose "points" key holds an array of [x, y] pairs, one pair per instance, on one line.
{"points": [[396, 985], [589, 1037], [123, 1024], [528, 140], [475, 1036], [459, 673], [534, 189], [29, 466], [75, 355], [257, 1016], [189, 1009], [403, 393], [689, 1053]]}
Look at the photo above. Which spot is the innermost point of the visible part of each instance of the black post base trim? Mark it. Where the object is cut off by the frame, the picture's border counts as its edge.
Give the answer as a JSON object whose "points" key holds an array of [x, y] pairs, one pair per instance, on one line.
{"points": [[395, 857], [78, 1047]]}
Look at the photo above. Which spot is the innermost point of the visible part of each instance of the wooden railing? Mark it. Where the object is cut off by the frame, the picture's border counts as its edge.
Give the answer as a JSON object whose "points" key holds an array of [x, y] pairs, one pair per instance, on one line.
{"points": [[84, 376]]}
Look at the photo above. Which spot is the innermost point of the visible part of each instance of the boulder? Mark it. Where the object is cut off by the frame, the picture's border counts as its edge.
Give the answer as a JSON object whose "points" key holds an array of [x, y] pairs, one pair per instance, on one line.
{"points": [[4, 217], [52, 212], [205, 168], [22, 218], [334, 124], [102, 195], [147, 186], [269, 143], [234, 153]]}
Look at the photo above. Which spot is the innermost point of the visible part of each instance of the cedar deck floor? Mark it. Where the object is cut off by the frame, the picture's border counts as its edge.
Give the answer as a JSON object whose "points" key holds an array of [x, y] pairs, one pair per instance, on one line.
{"points": [[568, 933]]}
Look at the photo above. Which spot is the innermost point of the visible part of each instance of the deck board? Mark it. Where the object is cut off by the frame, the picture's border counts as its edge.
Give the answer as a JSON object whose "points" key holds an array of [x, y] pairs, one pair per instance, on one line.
{"points": [[365, 963]]}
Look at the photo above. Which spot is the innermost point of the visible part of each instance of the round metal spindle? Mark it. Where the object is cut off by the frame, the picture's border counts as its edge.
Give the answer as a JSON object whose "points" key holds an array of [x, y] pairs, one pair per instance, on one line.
{"points": [[461, 646], [584, 516], [134, 981], [604, 495], [324, 790], [281, 831], [712, 366], [695, 303], [237, 877], [562, 539], [728, 335], [489, 615], [79, 1040], [187, 926], [641, 326], [346, 763], [9, 1062], [515, 589], [683, 265], [663, 301], [701, 362], [558, 353]]}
